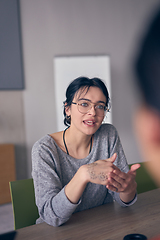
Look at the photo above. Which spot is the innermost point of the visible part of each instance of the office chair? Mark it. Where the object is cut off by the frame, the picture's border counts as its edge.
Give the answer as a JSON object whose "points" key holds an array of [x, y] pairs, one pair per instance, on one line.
{"points": [[25, 211], [144, 181]]}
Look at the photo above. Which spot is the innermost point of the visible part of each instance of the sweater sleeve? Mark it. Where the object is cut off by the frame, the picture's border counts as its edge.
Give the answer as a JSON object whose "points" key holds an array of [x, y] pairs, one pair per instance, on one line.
{"points": [[120, 162], [53, 205]]}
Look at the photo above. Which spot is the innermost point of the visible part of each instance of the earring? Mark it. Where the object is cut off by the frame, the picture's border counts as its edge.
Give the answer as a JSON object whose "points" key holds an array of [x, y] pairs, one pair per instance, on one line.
{"points": [[68, 117]]}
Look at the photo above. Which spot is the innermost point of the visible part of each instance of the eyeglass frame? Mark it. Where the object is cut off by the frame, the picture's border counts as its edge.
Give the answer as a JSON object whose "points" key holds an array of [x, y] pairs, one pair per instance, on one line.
{"points": [[91, 103]]}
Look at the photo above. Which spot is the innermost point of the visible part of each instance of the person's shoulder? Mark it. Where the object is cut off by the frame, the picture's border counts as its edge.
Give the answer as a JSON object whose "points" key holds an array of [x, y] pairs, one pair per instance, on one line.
{"points": [[107, 127], [57, 137], [106, 134], [46, 141], [108, 130]]}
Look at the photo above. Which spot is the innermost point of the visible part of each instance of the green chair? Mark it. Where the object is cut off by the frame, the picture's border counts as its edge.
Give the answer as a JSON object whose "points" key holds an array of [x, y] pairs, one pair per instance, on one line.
{"points": [[25, 211], [144, 181]]}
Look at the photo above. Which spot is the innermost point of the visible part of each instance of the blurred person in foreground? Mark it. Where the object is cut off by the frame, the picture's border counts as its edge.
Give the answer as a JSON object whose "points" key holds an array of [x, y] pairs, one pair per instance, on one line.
{"points": [[147, 120]]}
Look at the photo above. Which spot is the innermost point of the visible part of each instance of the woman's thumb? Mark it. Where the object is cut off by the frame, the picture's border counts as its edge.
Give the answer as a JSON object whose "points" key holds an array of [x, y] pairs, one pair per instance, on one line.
{"points": [[113, 158], [134, 167]]}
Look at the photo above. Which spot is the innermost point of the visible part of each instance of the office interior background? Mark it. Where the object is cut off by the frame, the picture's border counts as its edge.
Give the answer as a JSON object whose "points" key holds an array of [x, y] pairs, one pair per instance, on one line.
{"points": [[52, 28]]}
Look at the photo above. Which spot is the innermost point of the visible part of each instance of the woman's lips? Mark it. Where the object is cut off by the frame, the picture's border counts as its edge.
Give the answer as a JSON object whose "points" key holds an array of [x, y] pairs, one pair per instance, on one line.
{"points": [[89, 122]]}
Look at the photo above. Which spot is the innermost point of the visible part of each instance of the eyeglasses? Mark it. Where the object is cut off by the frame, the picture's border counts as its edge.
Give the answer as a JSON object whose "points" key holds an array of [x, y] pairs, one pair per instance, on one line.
{"points": [[84, 106]]}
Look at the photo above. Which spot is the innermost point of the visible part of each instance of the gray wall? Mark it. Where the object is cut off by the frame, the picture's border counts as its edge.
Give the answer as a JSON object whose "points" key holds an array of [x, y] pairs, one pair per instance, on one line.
{"points": [[72, 27]]}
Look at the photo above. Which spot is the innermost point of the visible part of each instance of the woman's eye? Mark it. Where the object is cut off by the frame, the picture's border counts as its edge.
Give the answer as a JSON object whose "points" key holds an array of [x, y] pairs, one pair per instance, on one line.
{"points": [[100, 107], [84, 104]]}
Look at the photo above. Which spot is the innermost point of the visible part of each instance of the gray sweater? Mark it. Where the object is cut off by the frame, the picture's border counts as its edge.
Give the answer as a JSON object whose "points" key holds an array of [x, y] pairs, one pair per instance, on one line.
{"points": [[52, 169]]}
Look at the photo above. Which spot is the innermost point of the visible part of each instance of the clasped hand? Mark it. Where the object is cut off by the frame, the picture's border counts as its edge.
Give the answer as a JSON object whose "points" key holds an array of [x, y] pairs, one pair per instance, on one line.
{"points": [[106, 173]]}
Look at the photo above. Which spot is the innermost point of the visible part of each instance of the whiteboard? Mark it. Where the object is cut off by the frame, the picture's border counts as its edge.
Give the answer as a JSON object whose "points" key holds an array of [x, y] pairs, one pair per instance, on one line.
{"points": [[67, 68]]}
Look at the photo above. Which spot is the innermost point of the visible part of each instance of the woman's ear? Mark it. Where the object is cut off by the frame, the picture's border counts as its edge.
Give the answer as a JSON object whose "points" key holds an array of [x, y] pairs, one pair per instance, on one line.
{"points": [[67, 110]]}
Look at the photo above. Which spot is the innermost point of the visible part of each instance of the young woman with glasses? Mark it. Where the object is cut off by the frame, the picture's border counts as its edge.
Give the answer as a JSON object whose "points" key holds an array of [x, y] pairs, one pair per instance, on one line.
{"points": [[83, 166]]}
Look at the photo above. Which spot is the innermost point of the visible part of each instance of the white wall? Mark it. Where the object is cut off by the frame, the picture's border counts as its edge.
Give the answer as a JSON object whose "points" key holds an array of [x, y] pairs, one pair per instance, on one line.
{"points": [[76, 27]]}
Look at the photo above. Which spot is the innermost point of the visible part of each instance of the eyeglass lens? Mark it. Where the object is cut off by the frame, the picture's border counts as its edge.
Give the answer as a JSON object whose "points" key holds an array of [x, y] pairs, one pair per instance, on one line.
{"points": [[84, 106]]}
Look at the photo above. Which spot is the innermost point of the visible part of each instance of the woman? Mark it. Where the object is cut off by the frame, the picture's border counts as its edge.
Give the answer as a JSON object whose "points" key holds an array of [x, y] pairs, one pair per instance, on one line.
{"points": [[83, 166]]}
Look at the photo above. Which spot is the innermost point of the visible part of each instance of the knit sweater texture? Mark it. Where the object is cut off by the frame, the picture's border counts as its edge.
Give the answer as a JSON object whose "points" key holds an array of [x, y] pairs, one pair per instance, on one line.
{"points": [[52, 169]]}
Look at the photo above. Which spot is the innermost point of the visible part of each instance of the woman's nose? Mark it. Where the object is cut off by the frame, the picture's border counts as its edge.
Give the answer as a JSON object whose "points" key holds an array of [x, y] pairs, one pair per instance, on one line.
{"points": [[92, 110]]}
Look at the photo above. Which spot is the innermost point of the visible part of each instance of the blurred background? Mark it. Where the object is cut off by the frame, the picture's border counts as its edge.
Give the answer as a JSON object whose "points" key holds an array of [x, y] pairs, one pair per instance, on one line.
{"points": [[50, 28], [45, 29]]}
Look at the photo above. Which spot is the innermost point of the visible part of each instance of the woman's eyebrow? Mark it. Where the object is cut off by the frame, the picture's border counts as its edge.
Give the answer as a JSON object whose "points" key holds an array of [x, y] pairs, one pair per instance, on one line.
{"points": [[84, 99], [101, 102], [90, 100]]}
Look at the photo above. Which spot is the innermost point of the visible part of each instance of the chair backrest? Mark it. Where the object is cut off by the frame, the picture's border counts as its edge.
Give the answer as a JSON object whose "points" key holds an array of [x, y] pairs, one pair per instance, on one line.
{"points": [[25, 211], [144, 181]]}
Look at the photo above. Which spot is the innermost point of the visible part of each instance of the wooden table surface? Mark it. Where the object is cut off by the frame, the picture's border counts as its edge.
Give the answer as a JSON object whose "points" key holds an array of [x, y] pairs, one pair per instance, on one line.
{"points": [[107, 222]]}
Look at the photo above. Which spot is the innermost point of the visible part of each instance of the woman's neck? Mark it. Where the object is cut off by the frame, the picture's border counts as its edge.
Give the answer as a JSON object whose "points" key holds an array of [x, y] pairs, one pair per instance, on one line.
{"points": [[77, 144]]}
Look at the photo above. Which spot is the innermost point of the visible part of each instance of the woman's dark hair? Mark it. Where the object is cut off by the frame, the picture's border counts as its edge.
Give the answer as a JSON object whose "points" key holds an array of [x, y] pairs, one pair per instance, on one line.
{"points": [[83, 83]]}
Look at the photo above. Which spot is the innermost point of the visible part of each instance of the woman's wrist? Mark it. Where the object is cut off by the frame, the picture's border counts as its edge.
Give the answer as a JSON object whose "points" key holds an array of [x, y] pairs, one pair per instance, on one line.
{"points": [[74, 189], [127, 197], [83, 171]]}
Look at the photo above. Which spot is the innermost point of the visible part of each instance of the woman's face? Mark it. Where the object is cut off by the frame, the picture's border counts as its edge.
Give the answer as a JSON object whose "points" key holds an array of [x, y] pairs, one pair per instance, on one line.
{"points": [[87, 123]]}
